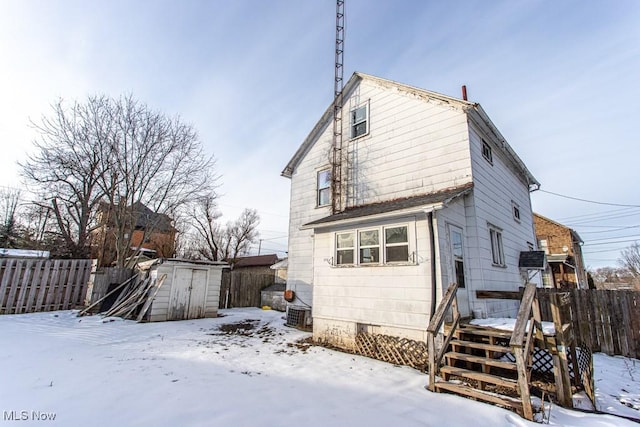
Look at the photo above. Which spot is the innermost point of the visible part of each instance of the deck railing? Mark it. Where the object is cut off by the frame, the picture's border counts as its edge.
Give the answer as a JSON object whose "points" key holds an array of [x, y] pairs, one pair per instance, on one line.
{"points": [[449, 300]]}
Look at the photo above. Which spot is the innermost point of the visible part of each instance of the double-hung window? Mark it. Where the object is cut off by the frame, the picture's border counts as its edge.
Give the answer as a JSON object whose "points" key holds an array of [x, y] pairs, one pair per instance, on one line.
{"points": [[359, 121], [324, 187], [486, 152], [369, 246], [396, 242], [497, 251], [373, 246], [345, 247]]}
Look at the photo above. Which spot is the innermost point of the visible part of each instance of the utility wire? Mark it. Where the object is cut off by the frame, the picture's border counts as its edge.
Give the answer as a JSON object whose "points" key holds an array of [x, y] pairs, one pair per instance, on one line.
{"points": [[590, 201]]}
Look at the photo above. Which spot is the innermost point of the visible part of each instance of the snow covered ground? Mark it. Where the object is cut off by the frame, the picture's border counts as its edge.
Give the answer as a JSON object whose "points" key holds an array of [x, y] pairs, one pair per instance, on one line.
{"points": [[83, 371]]}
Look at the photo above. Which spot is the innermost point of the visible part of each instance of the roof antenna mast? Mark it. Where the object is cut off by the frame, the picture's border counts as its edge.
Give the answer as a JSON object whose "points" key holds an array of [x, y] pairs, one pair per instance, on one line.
{"points": [[338, 85]]}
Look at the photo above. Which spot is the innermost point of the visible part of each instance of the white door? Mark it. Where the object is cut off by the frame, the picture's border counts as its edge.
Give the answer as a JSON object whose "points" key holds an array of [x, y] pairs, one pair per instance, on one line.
{"points": [[457, 268], [197, 299], [188, 294]]}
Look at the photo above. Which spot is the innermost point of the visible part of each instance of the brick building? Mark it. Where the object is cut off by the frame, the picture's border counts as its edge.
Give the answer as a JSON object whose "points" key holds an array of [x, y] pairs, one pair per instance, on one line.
{"points": [[564, 254]]}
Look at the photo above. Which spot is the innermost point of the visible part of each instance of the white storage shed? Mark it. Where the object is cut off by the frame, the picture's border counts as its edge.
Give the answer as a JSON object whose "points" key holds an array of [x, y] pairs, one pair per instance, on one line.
{"points": [[191, 289]]}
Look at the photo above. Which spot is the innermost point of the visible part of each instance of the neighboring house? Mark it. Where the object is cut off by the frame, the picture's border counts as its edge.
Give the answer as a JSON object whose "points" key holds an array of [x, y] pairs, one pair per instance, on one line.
{"points": [[258, 264], [430, 193], [281, 268], [153, 234], [564, 254]]}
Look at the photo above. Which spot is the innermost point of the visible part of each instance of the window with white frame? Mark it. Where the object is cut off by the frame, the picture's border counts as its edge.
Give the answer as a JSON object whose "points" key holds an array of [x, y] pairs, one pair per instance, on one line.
{"points": [[369, 246], [373, 246], [497, 251], [515, 210], [396, 242], [345, 247], [486, 152], [359, 121], [324, 187]]}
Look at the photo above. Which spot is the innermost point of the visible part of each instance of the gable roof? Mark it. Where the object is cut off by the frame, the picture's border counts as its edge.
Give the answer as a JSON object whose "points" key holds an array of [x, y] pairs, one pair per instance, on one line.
{"points": [[421, 201], [254, 261], [474, 110], [574, 234]]}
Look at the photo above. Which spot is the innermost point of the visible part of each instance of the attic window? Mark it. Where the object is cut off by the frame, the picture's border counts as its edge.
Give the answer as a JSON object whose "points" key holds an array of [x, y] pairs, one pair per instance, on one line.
{"points": [[486, 152], [359, 121], [515, 209]]}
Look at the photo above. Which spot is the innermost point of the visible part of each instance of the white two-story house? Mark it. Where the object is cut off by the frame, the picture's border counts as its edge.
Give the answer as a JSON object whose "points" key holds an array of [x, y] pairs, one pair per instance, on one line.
{"points": [[430, 193]]}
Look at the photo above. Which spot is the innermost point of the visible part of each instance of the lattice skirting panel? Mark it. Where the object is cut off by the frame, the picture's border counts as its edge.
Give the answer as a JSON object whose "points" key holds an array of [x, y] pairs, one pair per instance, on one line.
{"points": [[401, 351], [543, 361]]}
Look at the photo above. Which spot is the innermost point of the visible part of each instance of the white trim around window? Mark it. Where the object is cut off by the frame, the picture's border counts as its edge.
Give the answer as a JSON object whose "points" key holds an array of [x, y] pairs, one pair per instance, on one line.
{"points": [[371, 246], [323, 187], [497, 246], [359, 121]]}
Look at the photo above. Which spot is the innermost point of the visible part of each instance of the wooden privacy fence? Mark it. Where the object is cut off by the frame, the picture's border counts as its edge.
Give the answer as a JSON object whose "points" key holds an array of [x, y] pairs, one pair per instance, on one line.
{"points": [[242, 288], [32, 285], [104, 281], [604, 320]]}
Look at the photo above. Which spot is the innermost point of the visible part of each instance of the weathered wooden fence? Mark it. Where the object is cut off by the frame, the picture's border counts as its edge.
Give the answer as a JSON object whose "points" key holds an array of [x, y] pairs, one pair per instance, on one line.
{"points": [[242, 288], [102, 282], [32, 285], [604, 320]]}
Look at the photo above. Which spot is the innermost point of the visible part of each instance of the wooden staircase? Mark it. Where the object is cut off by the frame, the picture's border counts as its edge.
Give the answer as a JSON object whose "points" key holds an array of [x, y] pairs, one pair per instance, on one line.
{"points": [[470, 362], [473, 367]]}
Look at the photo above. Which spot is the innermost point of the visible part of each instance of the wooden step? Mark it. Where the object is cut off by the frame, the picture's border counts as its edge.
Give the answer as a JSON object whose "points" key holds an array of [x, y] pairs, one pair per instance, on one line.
{"points": [[465, 390], [484, 332], [480, 360], [479, 376], [481, 346]]}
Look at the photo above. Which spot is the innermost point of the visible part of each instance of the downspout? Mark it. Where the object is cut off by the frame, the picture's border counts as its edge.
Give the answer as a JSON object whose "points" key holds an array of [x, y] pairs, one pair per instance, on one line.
{"points": [[432, 249]]}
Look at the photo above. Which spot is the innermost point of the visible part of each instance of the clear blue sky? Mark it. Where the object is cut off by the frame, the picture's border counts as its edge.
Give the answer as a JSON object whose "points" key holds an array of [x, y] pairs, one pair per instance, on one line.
{"points": [[559, 79]]}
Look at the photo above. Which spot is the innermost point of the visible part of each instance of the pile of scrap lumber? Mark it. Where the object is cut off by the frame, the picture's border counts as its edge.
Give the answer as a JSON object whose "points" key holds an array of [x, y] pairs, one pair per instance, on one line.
{"points": [[134, 298]]}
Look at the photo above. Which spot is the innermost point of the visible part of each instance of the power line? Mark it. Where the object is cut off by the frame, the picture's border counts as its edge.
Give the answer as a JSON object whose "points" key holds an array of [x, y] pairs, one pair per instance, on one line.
{"points": [[594, 214], [590, 201], [610, 243], [614, 237], [603, 218], [610, 231]]}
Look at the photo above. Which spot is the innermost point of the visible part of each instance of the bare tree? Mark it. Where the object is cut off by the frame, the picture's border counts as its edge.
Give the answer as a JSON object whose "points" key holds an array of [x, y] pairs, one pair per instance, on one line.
{"points": [[243, 232], [630, 259], [9, 233], [214, 242], [113, 159], [66, 168]]}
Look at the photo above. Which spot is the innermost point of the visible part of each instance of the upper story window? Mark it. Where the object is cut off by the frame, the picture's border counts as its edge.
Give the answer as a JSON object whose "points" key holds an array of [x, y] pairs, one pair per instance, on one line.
{"points": [[359, 121], [324, 187], [515, 210], [497, 249], [486, 152]]}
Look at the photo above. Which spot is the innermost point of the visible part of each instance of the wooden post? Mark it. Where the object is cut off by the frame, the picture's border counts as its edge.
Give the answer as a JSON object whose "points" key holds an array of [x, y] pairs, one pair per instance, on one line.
{"points": [[523, 383], [560, 363]]}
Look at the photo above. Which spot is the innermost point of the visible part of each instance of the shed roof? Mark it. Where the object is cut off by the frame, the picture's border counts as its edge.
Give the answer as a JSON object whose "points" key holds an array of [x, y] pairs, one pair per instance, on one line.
{"points": [[373, 209], [255, 261]]}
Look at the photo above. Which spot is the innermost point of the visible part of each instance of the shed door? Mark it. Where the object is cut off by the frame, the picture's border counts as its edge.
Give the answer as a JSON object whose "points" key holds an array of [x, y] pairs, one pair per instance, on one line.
{"points": [[198, 296], [188, 294]]}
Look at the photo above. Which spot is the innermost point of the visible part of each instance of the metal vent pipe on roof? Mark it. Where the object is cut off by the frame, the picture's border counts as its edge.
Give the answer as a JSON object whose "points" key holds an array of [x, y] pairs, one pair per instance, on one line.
{"points": [[464, 92]]}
